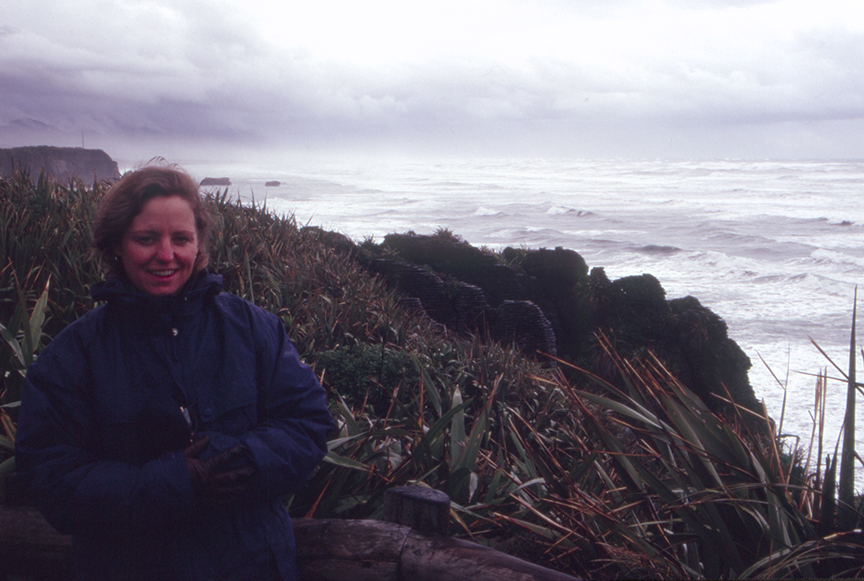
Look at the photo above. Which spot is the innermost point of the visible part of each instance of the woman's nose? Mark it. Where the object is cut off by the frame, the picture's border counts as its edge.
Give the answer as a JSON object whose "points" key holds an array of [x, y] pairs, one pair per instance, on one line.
{"points": [[165, 252]]}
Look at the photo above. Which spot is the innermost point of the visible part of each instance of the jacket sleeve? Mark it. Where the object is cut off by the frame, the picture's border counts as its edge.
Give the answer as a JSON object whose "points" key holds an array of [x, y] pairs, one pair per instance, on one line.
{"points": [[293, 418], [57, 459]]}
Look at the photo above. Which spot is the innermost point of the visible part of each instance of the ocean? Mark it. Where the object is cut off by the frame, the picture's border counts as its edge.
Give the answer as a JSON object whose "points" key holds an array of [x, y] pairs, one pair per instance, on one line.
{"points": [[776, 248]]}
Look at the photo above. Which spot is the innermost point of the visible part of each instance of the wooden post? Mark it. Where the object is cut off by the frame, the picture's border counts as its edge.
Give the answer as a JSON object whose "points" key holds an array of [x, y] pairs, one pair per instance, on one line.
{"points": [[423, 509]]}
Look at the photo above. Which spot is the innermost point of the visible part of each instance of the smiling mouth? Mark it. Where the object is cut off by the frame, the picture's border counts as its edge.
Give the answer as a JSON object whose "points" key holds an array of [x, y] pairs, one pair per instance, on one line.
{"points": [[162, 273]]}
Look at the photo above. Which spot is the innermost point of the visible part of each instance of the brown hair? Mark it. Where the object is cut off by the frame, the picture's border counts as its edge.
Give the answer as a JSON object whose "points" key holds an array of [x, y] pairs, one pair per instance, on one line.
{"points": [[127, 197]]}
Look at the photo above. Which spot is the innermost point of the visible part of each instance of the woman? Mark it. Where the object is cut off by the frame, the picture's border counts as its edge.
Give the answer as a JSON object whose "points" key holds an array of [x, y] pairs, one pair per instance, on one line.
{"points": [[162, 428]]}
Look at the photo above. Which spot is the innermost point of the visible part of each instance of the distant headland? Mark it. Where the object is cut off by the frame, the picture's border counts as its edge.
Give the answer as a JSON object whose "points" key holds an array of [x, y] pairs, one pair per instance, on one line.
{"points": [[61, 163], [216, 182]]}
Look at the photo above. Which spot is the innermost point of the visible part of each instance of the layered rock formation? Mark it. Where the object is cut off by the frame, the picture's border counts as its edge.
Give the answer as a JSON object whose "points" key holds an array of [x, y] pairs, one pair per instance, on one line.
{"points": [[60, 163], [548, 302]]}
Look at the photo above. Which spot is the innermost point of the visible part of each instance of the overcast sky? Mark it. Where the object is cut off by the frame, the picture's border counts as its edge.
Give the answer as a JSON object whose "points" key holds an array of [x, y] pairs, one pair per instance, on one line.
{"points": [[606, 78]]}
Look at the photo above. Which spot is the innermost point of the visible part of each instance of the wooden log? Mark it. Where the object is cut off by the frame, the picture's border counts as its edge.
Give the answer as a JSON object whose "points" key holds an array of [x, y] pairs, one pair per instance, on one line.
{"points": [[348, 550], [327, 550], [423, 509], [442, 558], [344, 550]]}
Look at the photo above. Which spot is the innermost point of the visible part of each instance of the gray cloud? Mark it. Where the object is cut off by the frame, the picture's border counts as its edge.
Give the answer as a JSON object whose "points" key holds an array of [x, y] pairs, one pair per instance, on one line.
{"points": [[709, 78]]}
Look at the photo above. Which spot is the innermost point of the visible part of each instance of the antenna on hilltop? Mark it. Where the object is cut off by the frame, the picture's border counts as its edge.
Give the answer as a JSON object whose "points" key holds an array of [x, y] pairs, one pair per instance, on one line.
{"points": [[82, 140]]}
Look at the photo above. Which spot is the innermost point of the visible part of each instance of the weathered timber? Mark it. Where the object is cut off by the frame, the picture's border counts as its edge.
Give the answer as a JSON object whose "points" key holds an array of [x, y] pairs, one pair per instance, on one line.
{"points": [[442, 558], [349, 550], [327, 550], [345, 550], [423, 509]]}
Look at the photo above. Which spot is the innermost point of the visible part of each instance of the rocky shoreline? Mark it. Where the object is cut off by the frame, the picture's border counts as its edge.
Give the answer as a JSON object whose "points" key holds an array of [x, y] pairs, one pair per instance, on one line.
{"points": [[548, 302]]}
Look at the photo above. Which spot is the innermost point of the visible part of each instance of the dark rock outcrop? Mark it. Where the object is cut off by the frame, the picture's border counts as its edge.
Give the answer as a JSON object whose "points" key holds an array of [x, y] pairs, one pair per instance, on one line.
{"points": [[272, 184], [523, 323], [464, 308], [334, 240], [60, 163], [547, 301], [716, 362], [414, 281]]}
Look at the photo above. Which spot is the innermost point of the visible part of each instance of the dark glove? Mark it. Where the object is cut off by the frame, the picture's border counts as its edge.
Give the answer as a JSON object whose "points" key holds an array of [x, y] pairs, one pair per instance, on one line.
{"points": [[211, 478]]}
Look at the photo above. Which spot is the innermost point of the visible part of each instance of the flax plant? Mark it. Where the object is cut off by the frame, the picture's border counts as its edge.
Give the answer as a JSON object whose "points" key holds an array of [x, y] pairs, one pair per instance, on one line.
{"points": [[24, 339], [847, 516], [662, 487]]}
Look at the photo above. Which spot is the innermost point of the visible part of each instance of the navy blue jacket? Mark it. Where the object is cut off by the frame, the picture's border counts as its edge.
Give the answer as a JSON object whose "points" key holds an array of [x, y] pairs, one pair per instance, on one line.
{"points": [[101, 434]]}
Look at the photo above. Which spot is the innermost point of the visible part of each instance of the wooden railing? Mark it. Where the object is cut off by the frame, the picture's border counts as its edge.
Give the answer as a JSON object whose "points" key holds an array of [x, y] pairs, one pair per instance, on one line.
{"points": [[410, 545]]}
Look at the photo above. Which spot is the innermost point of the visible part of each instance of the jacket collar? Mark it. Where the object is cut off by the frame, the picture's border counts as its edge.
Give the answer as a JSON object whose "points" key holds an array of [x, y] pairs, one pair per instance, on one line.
{"points": [[119, 290]]}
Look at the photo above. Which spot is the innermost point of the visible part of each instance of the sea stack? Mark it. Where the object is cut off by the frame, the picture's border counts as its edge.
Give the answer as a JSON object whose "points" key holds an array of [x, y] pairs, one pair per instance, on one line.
{"points": [[216, 182]]}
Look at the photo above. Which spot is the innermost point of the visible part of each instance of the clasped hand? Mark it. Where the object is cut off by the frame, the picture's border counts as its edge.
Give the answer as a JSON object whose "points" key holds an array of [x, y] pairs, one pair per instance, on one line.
{"points": [[211, 478]]}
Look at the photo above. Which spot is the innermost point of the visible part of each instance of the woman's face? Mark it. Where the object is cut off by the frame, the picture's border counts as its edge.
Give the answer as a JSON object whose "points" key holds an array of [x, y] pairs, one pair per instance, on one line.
{"points": [[159, 249]]}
